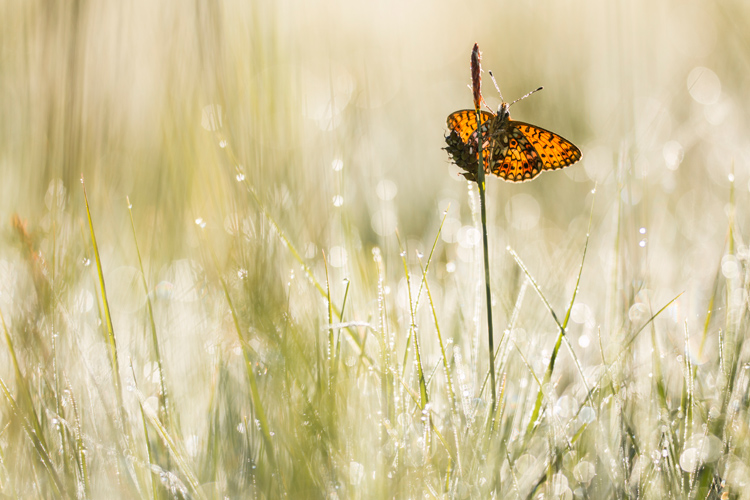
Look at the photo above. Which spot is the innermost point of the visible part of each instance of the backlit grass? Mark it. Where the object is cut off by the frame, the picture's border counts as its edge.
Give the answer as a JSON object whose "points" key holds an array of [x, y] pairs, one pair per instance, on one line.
{"points": [[272, 285]]}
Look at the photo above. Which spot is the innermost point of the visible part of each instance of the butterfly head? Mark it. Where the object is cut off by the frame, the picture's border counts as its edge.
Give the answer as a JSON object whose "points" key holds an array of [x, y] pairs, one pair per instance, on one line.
{"points": [[503, 111]]}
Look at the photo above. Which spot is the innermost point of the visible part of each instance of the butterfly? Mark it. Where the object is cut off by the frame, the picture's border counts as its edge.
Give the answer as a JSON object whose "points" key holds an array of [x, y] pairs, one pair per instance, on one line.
{"points": [[514, 151]]}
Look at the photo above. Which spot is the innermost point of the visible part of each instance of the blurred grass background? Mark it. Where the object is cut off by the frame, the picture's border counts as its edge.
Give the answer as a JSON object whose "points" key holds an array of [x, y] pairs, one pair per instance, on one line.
{"points": [[333, 114]]}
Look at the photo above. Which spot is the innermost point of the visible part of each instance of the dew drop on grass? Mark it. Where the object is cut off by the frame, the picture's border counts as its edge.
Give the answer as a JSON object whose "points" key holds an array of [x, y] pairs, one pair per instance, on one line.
{"points": [[86, 261], [419, 254], [689, 459], [673, 154], [642, 230], [450, 267], [642, 243], [337, 165], [584, 471], [356, 473], [386, 190], [638, 312], [587, 415], [338, 200], [240, 177], [730, 267], [222, 143], [242, 273], [704, 85]]}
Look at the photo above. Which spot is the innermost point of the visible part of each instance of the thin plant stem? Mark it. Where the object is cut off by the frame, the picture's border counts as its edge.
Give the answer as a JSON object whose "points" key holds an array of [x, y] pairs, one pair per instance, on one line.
{"points": [[163, 399], [485, 248], [116, 382]]}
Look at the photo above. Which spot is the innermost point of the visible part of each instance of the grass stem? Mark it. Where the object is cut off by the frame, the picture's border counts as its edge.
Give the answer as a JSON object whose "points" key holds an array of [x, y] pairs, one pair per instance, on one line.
{"points": [[485, 248]]}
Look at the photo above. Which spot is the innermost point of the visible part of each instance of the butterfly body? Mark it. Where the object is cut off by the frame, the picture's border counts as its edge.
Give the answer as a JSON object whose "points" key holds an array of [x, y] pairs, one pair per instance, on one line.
{"points": [[514, 151]]}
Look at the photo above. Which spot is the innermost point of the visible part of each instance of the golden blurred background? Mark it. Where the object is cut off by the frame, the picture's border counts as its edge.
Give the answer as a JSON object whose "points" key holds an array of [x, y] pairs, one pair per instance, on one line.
{"points": [[333, 113], [118, 92]]}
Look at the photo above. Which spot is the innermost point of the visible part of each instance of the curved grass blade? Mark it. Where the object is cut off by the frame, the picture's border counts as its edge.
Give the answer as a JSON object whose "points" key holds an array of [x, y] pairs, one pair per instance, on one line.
{"points": [[177, 455], [449, 388], [163, 396], [108, 316], [422, 282], [41, 450], [413, 331], [561, 326], [254, 393], [23, 384]]}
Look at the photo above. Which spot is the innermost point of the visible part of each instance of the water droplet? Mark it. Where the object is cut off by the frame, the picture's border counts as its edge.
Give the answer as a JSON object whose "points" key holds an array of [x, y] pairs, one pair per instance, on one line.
{"points": [[642, 230], [337, 165], [242, 273], [420, 254], [403, 252], [240, 177], [386, 190], [200, 222], [86, 261], [731, 177], [673, 154], [450, 267], [642, 243], [222, 143], [338, 200]]}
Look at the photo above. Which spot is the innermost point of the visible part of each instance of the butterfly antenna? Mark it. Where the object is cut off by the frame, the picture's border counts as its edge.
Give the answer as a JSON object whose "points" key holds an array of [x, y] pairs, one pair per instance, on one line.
{"points": [[527, 95], [496, 86]]}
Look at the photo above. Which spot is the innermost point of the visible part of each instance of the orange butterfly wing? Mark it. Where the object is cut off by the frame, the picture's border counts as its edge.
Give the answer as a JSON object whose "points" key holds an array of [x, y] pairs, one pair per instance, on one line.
{"points": [[531, 150], [464, 122]]}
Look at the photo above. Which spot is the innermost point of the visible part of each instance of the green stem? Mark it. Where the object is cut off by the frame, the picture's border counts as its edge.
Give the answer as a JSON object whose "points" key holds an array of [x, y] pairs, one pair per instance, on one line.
{"points": [[481, 184], [163, 400]]}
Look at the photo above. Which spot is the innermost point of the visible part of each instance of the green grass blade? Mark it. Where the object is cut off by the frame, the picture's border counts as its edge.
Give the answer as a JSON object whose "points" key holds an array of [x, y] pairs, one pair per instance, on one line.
{"points": [[421, 283], [179, 458], [116, 381], [23, 385], [149, 453], [163, 395], [41, 450], [82, 461], [443, 356], [413, 331], [254, 393]]}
